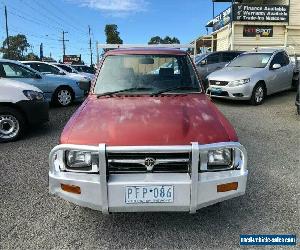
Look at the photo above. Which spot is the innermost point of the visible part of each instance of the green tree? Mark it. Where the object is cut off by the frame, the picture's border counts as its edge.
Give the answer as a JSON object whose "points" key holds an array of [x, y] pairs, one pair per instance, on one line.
{"points": [[166, 40], [155, 40], [31, 57], [112, 34], [18, 45]]}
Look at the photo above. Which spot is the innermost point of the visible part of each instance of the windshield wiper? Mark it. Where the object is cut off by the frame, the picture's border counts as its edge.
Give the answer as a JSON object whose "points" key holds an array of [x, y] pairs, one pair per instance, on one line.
{"points": [[175, 88], [122, 90]]}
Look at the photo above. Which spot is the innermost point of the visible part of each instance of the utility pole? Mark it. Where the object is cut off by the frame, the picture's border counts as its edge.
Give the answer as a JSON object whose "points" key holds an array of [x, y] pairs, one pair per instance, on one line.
{"points": [[90, 43], [97, 49], [7, 38], [64, 41]]}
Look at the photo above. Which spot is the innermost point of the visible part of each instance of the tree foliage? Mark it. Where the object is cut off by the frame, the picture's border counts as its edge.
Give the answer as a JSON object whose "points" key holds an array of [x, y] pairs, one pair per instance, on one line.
{"points": [[18, 45], [166, 40], [31, 57], [112, 34]]}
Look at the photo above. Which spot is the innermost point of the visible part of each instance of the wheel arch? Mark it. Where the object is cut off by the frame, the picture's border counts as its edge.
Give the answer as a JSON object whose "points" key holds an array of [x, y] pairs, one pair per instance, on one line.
{"points": [[63, 86], [264, 84], [16, 107]]}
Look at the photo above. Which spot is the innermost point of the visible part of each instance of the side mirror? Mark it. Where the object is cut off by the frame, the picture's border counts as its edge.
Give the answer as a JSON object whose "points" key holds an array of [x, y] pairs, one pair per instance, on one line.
{"points": [[85, 85], [203, 62], [276, 66]]}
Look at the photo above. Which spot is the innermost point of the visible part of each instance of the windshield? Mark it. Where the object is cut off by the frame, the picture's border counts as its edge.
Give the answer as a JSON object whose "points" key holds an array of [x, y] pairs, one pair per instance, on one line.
{"points": [[254, 60], [199, 58], [65, 67], [146, 74], [85, 69]]}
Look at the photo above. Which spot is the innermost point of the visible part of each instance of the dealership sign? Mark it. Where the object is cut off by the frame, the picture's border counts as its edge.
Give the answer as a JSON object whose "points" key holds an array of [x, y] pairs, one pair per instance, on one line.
{"points": [[222, 19], [254, 31], [72, 59], [260, 13]]}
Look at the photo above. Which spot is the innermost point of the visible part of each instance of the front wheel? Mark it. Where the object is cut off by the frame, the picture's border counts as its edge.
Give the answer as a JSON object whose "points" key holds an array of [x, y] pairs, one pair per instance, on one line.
{"points": [[12, 124], [258, 94], [63, 97]]}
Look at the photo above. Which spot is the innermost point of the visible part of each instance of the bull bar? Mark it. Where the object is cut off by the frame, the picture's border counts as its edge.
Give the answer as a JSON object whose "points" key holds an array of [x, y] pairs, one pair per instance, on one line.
{"points": [[101, 187]]}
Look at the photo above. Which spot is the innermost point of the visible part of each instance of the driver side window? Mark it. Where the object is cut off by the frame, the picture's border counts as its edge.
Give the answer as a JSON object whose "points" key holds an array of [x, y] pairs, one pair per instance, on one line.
{"points": [[211, 59], [16, 71], [279, 59]]}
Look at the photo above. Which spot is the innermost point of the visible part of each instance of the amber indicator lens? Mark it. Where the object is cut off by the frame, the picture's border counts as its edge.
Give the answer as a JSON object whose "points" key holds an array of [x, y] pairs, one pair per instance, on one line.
{"points": [[71, 188], [227, 187]]}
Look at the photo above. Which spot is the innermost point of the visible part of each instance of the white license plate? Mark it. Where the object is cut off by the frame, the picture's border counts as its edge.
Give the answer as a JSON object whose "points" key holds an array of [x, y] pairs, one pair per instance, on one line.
{"points": [[149, 194]]}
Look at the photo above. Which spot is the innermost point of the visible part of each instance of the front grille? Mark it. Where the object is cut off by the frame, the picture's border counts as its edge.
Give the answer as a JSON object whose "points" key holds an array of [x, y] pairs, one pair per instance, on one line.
{"points": [[218, 83], [136, 163], [214, 93]]}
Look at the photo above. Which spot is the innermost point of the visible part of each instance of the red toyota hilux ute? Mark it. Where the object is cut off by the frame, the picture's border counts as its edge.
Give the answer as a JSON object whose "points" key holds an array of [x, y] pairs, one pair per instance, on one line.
{"points": [[147, 138]]}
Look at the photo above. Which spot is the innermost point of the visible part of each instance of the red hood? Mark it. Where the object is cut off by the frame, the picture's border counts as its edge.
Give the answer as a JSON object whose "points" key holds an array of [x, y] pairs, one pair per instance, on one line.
{"points": [[145, 120]]}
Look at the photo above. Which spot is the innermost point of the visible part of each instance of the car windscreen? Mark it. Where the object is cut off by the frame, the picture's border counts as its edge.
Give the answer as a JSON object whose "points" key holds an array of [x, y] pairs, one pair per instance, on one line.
{"points": [[84, 69], [64, 67], [199, 58], [146, 74], [251, 60]]}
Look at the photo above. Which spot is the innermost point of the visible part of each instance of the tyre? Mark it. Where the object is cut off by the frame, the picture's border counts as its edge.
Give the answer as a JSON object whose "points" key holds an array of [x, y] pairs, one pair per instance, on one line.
{"points": [[12, 124], [259, 94], [63, 96]]}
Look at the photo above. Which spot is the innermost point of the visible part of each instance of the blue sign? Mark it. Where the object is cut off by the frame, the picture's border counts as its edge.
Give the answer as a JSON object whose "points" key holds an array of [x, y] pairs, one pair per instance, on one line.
{"points": [[222, 19]]}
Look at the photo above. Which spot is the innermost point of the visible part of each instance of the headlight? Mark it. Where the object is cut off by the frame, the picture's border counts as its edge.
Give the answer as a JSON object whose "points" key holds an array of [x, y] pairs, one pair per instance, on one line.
{"points": [[238, 82], [219, 159], [33, 95], [81, 161]]}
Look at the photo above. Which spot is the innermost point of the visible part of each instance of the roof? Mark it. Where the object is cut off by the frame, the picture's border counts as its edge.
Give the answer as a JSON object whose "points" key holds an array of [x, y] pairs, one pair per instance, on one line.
{"points": [[265, 50], [146, 51]]}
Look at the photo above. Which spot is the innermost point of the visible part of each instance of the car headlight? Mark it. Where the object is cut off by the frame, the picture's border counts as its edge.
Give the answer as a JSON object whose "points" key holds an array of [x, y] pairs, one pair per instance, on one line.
{"points": [[238, 82], [81, 161], [219, 159], [33, 95]]}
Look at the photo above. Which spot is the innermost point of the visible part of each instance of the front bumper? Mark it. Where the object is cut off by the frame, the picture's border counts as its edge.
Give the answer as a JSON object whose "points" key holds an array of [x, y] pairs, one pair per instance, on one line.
{"points": [[35, 111], [242, 92], [106, 193]]}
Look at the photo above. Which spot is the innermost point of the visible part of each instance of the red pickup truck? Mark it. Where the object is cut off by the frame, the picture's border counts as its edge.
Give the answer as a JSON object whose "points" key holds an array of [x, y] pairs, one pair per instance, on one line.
{"points": [[147, 138]]}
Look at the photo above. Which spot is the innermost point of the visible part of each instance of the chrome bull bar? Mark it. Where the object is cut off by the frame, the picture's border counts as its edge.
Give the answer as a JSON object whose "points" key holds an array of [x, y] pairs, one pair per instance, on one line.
{"points": [[198, 155]]}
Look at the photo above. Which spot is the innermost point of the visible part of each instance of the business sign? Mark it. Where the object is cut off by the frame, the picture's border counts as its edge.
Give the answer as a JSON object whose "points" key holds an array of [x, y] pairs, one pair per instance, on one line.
{"points": [[260, 13], [222, 19], [76, 59], [254, 31]]}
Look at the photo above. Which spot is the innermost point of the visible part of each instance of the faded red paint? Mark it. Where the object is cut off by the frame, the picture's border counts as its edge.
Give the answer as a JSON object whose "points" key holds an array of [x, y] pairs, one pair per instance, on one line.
{"points": [[146, 120]]}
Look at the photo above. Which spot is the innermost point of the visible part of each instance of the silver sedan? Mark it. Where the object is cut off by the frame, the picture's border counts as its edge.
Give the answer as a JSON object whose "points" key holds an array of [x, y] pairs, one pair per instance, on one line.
{"points": [[253, 75]]}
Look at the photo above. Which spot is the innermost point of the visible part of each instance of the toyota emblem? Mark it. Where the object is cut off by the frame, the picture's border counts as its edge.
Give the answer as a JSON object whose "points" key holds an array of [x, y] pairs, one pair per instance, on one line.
{"points": [[149, 163]]}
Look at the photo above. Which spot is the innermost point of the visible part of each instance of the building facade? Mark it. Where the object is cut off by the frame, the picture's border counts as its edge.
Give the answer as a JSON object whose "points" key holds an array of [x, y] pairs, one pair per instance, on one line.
{"points": [[257, 23]]}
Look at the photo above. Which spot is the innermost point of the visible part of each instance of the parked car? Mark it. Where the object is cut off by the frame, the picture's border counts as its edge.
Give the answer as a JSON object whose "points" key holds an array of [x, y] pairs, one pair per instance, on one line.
{"points": [[253, 75], [47, 68], [145, 141], [210, 62], [84, 69], [297, 98], [71, 70], [21, 105], [58, 89]]}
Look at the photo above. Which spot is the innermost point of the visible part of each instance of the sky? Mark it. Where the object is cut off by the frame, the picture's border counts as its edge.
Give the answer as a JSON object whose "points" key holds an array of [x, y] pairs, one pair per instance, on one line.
{"points": [[42, 21]]}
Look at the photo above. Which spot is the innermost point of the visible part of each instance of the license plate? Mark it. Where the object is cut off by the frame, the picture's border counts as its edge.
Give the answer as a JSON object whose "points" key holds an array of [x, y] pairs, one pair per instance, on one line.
{"points": [[216, 90], [149, 194]]}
